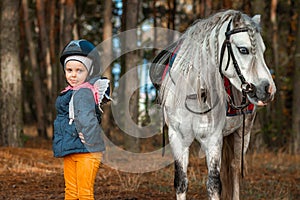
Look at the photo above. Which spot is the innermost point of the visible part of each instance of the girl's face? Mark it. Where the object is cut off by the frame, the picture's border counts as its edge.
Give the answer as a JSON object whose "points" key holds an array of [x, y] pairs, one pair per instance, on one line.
{"points": [[76, 73]]}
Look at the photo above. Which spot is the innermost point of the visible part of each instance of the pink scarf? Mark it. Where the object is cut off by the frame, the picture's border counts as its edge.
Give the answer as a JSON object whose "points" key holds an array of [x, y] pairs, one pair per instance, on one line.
{"points": [[83, 85]]}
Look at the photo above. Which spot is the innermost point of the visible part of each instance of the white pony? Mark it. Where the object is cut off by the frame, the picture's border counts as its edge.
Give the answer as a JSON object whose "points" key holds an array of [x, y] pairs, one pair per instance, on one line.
{"points": [[210, 82]]}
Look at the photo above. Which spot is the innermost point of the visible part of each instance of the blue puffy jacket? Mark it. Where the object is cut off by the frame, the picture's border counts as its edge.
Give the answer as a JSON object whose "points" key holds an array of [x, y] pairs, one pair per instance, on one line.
{"points": [[65, 136]]}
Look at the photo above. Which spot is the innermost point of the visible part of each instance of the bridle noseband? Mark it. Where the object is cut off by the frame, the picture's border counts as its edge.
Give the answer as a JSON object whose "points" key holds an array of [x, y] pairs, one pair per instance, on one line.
{"points": [[247, 88]]}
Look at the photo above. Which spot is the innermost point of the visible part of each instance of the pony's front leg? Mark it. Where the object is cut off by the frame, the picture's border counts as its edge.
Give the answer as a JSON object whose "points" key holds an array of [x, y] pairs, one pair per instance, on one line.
{"points": [[181, 157], [213, 158], [180, 179], [236, 164]]}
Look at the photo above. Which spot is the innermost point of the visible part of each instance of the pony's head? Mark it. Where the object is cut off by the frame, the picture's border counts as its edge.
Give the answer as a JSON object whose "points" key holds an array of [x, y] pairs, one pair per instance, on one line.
{"points": [[242, 59]]}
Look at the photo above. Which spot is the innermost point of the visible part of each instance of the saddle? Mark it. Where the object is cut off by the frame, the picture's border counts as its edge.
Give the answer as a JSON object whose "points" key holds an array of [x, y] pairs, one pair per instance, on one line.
{"points": [[162, 64]]}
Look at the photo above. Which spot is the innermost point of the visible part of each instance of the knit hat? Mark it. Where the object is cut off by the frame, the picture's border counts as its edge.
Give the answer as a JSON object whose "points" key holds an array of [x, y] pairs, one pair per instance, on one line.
{"points": [[85, 49], [87, 62]]}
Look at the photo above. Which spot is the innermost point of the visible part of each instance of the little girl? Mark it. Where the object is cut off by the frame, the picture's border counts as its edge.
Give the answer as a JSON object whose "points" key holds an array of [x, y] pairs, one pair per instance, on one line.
{"points": [[77, 131]]}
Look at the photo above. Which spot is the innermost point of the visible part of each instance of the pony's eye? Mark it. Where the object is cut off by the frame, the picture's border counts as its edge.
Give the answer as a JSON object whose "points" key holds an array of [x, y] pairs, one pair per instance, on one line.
{"points": [[243, 50]]}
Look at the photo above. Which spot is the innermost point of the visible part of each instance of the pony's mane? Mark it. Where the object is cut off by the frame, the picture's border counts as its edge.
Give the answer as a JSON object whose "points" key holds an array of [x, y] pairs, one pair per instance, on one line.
{"points": [[213, 69], [200, 31], [196, 67]]}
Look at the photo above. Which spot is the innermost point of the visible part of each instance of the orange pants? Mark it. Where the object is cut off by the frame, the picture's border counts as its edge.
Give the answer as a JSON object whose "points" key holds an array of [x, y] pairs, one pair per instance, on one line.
{"points": [[80, 171]]}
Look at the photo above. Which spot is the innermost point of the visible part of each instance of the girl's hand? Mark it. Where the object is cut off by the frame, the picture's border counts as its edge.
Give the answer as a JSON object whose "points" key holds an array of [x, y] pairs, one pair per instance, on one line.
{"points": [[83, 140], [81, 137]]}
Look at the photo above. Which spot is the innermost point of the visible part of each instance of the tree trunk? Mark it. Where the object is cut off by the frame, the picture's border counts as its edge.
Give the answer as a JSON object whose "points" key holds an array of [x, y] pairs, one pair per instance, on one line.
{"points": [[154, 25], [227, 4], [68, 7], [131, 59], [247, 6], [107, 57], [11, 119], [66, 21], [46, 68], [208, 8], [37, 83], [171, 19], [296, 91], [53, 53], [171, 14], [279, 101], [258, 7]]}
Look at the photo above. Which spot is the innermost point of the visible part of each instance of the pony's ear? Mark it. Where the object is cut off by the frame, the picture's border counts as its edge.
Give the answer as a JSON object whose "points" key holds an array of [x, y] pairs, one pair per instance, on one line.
{"points": [[237, 20], [256, 19]]}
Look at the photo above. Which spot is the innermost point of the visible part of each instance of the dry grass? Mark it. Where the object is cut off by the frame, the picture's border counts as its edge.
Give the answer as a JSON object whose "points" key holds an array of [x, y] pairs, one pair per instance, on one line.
{"points": [[33, 173]]}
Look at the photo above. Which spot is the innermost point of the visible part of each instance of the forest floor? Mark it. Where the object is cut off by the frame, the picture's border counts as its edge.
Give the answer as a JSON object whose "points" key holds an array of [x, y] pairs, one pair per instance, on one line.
{"points": [[31, 173]]}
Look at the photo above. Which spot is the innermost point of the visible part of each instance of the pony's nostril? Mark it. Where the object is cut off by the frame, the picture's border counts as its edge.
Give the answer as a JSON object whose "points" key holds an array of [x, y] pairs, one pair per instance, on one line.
{"points": [[268, 88]]}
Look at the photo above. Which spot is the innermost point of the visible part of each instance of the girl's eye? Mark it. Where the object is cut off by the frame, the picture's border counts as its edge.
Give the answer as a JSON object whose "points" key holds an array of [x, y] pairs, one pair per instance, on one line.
{"points": [[243, 50]]}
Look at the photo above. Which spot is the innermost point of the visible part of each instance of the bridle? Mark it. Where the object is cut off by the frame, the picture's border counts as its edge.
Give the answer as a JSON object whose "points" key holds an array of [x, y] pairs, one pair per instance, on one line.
{"points": [[247, 88]]}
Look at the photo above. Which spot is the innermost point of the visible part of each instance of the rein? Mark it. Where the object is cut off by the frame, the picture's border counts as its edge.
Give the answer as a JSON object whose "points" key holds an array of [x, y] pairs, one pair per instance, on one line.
{"points": [[245, 86]]}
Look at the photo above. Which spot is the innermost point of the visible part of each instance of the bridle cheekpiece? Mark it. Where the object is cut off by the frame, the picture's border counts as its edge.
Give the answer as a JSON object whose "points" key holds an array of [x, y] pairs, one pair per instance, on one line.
{"points": [[246, 87]]}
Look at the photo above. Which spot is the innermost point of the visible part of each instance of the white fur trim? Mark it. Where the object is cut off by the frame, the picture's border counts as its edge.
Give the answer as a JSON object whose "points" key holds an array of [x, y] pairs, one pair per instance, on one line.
{"points": [[83, 59]]}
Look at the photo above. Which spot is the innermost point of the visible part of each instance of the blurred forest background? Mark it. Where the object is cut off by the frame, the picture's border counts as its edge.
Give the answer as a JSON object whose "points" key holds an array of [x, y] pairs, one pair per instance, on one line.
{"points": [[33, 33]]}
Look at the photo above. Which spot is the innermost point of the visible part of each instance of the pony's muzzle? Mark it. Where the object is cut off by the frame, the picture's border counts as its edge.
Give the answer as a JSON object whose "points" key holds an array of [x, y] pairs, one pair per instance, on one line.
{"points": [[263, 92]]}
